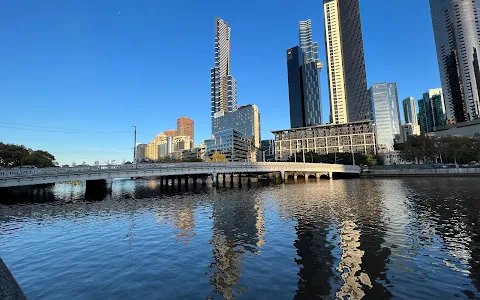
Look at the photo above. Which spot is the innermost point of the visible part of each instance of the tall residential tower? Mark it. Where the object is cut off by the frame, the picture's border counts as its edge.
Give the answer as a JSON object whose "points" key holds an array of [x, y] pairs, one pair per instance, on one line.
{"points": [[457, 37], [345, 61], [223, 85], [304, 80]]}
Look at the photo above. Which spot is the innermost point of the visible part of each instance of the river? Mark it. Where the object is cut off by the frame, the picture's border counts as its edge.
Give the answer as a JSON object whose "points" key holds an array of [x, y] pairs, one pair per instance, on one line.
{"points": [[412, 238]]}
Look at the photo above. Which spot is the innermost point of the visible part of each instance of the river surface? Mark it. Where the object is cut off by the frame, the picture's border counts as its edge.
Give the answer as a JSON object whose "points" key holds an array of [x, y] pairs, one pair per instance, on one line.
{"points": [[415, 238]]}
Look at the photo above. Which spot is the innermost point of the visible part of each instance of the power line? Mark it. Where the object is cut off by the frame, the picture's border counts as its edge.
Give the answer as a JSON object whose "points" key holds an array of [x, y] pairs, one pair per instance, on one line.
{"points": [[62, 131], [41, 128]]}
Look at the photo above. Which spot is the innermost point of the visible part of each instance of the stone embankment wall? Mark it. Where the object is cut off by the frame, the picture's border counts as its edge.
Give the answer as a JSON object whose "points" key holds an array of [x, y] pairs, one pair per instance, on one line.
{"points": [[426, 172]]}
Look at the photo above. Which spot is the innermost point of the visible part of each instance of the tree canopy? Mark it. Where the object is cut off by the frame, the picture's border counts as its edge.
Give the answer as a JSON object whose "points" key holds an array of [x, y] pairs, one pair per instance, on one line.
{"points": [[218, 157], [15, 155], [339, 158], [449, 149]]}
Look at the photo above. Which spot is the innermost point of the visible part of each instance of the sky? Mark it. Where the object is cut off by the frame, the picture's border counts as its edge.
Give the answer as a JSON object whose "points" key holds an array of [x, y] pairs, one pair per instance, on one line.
{"points": [[76, 76]]}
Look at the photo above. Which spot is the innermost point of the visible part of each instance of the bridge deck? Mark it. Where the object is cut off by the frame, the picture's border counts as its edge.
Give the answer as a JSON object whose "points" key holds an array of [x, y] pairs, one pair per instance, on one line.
{"points": [[11, 177]]}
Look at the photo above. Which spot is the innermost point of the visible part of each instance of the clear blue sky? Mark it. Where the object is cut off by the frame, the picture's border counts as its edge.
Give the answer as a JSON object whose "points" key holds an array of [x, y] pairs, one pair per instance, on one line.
{"points": [[79, 74]]}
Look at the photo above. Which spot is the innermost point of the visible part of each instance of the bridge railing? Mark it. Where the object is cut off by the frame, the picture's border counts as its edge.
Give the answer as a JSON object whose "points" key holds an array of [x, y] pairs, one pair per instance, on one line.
{"points": [[82, 169]]}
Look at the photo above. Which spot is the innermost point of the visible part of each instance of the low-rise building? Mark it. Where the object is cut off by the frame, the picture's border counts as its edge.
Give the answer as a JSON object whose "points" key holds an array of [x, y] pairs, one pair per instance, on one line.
{"points": [[356, 137], [231, 143], [463, 129]]}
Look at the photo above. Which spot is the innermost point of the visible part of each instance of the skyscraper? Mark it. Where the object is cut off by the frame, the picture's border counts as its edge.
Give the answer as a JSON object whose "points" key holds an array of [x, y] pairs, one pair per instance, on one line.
{"points": [[410, 114], [295, 87], [223, 85], [185, 127], [385, 114], [457, 38], [409, 110], [304, 80], [431, 111], [345, 61]]}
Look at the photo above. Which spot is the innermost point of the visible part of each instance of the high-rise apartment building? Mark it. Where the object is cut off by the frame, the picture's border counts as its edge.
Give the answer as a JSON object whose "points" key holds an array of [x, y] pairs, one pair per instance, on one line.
{"points": [[185, 127], [431, 111], [385, 114], [457, 38], [303, 69], [223, 85], [347, 77]]}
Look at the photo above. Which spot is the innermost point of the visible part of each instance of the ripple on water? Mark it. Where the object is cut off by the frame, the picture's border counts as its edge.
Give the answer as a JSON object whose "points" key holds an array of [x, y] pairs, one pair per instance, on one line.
{"points": [[401, 238]]}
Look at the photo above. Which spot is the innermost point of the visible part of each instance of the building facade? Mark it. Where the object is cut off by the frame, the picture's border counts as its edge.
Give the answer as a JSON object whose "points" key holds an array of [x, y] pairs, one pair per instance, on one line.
{"points": [[457, 38], [408, 130], [231, 143], [295, 87], [185, 127], [303, 69], [385, 114], [152, 148], [245, 120], [223, 84], [347, 77], [410, 114], [140, 152], [357, 137], [431, 111], [268, 150]]}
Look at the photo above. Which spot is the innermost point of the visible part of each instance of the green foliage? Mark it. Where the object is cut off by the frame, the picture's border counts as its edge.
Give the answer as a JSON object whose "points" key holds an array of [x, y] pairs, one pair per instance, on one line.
{"points": [[335, 158], [14, 156], [425, 149]]}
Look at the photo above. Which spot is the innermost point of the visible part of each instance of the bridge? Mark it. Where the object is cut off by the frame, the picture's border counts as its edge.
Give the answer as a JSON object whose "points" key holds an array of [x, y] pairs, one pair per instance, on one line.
{"points": [[102, 176]]}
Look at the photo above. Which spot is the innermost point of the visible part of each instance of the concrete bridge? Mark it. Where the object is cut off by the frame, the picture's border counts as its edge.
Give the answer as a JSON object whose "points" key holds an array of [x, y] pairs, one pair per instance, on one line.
{"points": [[102, 176]]}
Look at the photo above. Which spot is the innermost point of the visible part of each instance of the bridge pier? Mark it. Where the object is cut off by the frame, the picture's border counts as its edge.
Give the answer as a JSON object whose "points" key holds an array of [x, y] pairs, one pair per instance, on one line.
{"points": [[330, 175], [204, 180], [295, 177], [240, 179], [231, 180], [249, 181], [282, 177], [215, 179], [99, 185], [306, 177], [224, 179], [186, 183]]}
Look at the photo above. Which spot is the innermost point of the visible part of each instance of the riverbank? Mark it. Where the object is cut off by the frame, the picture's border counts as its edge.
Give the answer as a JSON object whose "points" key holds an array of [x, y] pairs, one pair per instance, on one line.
{"points": [[423, 171]]}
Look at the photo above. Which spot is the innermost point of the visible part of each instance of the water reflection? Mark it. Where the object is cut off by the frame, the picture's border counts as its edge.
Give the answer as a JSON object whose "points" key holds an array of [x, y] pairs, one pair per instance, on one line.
{"points": [[238, 229], [354, 239]]}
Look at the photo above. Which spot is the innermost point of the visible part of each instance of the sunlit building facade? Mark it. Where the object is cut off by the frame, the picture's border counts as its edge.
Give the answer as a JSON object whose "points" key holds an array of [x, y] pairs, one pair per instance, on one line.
{"points": [[385, 114], [356, 137], [347, 77], [457, 38], [231, 143], [185, 127], [223, 84]]}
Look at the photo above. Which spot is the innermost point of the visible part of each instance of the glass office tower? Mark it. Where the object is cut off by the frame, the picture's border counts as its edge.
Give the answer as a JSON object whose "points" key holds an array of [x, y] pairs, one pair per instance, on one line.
{"points": [[304, 80], [431, 111], [385, 114], [457, 38]]}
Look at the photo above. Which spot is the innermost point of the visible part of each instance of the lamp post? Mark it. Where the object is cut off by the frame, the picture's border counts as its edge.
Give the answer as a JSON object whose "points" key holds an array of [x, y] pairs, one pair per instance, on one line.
{"points": [[134, 144]]}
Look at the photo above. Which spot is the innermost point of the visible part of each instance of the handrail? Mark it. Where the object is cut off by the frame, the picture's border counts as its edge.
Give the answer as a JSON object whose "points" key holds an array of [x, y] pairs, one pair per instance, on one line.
{"points": [[6, 173]]}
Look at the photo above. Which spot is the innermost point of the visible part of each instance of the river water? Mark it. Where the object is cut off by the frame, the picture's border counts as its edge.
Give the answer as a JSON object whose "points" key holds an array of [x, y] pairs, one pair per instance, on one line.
{"points": [[416, 238]]}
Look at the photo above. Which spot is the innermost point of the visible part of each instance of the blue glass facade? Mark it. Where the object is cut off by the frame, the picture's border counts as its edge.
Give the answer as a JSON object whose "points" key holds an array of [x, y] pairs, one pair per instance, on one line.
{"points": [[385, 114], [231, 143], [304, 80], [295, 87], [431, 111]]}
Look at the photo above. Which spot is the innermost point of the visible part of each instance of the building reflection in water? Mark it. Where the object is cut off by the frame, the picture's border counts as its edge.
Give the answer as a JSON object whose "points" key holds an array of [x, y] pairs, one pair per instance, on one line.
{"points": [[340, 239], [351, 263], [238, 230]]}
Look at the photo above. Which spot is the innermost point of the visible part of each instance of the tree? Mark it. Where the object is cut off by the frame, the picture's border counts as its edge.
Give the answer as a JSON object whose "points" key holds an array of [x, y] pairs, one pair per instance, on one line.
{"points": [[96, 163], [18, 155], [218, 157], [74, 164]]}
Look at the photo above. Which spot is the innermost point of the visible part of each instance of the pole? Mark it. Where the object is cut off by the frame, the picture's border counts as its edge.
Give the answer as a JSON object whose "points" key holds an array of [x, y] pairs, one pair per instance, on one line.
{"points": [[134, 144]]}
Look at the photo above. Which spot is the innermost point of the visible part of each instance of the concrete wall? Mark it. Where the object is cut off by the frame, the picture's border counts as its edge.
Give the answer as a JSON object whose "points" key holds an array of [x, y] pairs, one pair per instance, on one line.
{"points": [[9, 288], [423, 172]]}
